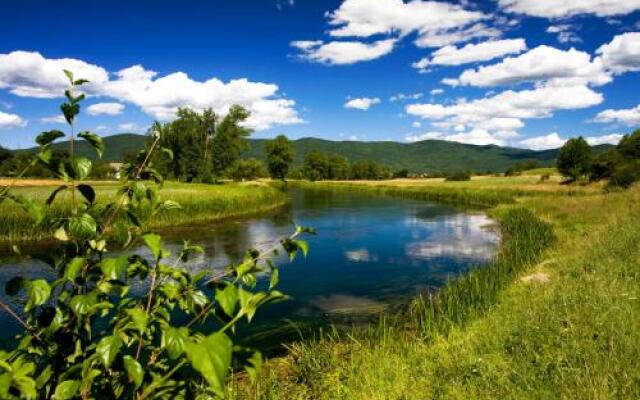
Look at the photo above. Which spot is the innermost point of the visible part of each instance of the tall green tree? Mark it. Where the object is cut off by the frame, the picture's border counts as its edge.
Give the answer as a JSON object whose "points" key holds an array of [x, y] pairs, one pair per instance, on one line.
{"points": [[230, 139], [575, 158], [339, 167], [316, 166], [279, 153]]}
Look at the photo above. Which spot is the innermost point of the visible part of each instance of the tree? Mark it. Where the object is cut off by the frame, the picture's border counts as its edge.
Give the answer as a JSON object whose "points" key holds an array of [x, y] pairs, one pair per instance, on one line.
{"points": [[246, 170], [575, 159], [279, 153], [629, 146], [230, 139], [339, 167], [316, 166], [364, 169]]}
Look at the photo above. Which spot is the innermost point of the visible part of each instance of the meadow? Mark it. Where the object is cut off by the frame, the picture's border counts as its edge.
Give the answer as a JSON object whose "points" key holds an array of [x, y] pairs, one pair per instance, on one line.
{"points": [[199, 203], [556, 315]]}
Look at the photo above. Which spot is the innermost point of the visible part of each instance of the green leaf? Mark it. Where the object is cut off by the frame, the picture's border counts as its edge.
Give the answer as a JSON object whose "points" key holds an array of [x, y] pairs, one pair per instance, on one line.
{"points": [[81, 167], [53, 194], [303, 246], [70, 111], [154, 243], [212, 359], [113, 268], [139, 319], [66, 390], [227, 298], [108, 348], [88, 193], [81, 304], [168, 152], [134, 370], [61, 234], [38, 292], [254, 364], [82, 226], [47, 137], [14, 286], [69, 75], [94, 141], [274, 279], [74, 267], [174, 341]]}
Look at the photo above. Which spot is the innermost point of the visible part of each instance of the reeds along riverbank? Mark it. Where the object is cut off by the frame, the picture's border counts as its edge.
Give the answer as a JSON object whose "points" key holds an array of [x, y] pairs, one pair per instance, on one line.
{"points": [[199, 203]]}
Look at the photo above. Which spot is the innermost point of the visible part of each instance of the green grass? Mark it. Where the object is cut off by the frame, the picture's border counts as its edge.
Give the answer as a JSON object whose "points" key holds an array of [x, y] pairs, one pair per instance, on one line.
{"points": [[199, 203], [548, 319]]}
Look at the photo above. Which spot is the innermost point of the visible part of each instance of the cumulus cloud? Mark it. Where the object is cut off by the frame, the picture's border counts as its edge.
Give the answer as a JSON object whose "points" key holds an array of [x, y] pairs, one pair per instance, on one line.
{"points": [[550, 141], [416, 124], [498, 118], [29, 74], [365, 18], [452, 55], [105, 109], [613, 138], [622, 54], [436, 92], [544, 63], [11, 121], [568, 8], [130, 127], [629, 116], [343, 53], [362, 103]]}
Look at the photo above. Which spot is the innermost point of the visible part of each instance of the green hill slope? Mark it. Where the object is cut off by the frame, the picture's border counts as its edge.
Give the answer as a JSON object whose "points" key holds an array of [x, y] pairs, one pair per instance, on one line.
{"points": [[428, 155]]}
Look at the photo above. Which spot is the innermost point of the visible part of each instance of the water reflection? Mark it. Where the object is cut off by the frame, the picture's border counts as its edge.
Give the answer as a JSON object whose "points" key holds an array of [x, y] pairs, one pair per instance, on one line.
{"points": [[369, 252]]}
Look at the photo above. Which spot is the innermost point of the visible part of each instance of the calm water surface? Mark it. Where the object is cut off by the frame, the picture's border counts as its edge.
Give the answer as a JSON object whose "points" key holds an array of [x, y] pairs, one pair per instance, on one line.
{"points": [[369, 252]]}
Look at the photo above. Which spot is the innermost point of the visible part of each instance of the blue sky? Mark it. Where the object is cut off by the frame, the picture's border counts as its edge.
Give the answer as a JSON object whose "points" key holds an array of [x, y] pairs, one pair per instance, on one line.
{"points": [[523, 73]]}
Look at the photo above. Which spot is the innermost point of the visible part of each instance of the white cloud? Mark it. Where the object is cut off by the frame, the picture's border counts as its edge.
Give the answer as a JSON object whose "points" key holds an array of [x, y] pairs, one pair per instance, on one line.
{"points": [[105, 109], [613, 138], [567, 8], [365, 18], [362, 103], [498, 118], [11, 121], [403, 96], [550, 141], [436, 92], [622, 54], [57, 119], [629, 116], [416, 124], [480, 137], [452, 55], [29, 74], [424, 136], [457, 35], [343, 53], [544, 63]]}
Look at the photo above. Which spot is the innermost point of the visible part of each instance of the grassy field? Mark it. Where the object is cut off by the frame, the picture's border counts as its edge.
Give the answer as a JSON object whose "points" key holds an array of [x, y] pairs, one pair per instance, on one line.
{"points": [[199, 203], [556, 316]]}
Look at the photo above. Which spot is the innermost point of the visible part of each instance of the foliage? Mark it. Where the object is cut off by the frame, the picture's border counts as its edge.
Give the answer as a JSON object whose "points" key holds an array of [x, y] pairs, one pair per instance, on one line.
{"points": [[279, 155], [620, 165], [86, 334], [629, 146], [575, 158], [230, 139], [316, 166], [246, 170]]}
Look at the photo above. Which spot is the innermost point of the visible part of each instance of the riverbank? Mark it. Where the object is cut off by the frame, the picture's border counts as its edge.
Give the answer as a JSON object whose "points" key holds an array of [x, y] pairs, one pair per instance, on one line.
{"points": [[549, 319], [199, 203]]}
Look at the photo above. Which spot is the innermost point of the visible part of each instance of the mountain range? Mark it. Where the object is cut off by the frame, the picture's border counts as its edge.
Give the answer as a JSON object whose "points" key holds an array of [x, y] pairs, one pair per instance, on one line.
{"points": [[422, 156]]}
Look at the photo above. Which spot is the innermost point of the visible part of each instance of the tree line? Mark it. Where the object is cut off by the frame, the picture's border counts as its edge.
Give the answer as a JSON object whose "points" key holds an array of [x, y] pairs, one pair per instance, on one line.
{"points": [[620, 165]]}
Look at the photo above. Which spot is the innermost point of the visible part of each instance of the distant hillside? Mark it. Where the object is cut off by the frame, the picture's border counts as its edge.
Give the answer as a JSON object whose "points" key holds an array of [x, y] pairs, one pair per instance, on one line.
{"points": [[428, 155]]}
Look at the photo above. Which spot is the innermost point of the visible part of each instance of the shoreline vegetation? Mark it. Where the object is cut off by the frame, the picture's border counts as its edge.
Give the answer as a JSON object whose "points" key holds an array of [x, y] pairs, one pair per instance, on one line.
{"points": [[556, 315], [199, 203]]}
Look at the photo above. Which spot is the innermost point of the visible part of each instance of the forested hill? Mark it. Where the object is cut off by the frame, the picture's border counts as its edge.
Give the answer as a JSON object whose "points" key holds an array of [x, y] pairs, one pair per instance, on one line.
{"points": [[425, 156]]}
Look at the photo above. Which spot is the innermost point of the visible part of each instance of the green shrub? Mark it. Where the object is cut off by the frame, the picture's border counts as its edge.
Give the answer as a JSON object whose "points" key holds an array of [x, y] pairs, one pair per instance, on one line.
{"points": [[246, 170], [458, 177], [574, 159]]}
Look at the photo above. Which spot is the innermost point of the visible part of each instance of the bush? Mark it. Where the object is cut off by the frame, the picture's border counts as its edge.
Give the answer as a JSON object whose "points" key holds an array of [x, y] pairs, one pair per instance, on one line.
{"points": [[458, 177], [625, 174]]}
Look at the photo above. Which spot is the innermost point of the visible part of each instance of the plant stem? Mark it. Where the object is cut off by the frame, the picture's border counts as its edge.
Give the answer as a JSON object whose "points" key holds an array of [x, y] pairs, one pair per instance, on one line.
{"points": [[156, 383], [22, 322], [73, 179]]}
